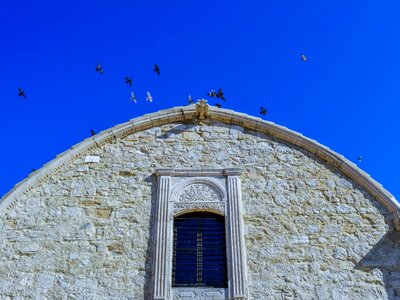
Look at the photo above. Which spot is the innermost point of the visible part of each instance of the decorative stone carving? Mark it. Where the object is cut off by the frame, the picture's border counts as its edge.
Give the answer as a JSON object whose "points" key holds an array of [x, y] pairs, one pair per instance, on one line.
{"points": [[193, 206], [199, 193], [199, 293], [201, 109]]}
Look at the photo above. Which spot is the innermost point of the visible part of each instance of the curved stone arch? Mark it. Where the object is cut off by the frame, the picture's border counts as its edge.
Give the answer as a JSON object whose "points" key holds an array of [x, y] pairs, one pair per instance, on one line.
{"points": [[214, 184], [187, 113], [184, 211]]}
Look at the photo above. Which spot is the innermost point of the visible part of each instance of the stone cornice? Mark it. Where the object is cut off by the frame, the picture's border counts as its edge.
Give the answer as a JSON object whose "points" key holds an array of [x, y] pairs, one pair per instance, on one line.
{"points": [[198, 172], [233, 172], [186, 113]]}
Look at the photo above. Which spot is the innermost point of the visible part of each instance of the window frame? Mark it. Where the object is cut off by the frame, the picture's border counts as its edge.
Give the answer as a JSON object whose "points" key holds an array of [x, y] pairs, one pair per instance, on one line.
{"points": [[197, 246], [183, 191]]}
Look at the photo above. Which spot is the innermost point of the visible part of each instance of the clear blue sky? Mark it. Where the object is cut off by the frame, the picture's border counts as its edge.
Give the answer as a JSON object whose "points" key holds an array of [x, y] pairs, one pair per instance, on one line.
{"points": [[346, 96]]}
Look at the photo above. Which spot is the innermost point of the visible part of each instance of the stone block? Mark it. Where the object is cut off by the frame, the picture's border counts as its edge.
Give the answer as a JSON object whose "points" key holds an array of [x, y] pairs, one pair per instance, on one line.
{"points": [[103, 213]]}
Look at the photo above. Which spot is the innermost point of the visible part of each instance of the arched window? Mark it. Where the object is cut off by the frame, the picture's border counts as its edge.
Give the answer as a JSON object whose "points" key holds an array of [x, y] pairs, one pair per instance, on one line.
{"points": [[190, 258], [199, 256]]}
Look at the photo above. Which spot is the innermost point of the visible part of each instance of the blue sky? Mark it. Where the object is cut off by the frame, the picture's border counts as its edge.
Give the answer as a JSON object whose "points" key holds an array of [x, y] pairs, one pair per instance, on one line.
{"points": [[346, 96]]}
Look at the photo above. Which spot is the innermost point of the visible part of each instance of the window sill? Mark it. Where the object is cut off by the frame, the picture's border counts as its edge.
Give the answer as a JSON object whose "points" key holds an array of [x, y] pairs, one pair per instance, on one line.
{"points": [[199, 293]]}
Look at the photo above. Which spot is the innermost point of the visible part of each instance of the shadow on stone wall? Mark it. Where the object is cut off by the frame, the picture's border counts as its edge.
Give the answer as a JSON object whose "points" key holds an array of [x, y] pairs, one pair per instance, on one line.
{"points": [[385, 256], [152, 179], [178, 129]]}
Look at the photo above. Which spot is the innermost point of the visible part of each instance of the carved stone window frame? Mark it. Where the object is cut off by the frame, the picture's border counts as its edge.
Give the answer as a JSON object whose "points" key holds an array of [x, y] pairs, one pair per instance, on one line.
{"points": [[184, 191]]}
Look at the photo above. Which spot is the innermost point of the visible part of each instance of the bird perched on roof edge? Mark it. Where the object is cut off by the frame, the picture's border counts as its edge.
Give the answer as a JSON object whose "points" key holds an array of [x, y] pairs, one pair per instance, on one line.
{"points": [[92, 132]]}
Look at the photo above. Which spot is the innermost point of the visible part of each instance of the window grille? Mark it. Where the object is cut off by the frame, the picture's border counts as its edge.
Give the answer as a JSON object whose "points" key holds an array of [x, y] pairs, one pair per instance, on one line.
{"points": [[199, 257]]}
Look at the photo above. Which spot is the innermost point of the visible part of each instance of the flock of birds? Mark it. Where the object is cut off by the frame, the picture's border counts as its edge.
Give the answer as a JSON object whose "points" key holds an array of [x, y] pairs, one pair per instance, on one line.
{"points": [[128, 80], [217, 94]]}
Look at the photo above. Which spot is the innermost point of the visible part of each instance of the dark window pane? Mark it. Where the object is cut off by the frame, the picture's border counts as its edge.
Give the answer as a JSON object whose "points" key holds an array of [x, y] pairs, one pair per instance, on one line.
{"points": [[199, 257]]}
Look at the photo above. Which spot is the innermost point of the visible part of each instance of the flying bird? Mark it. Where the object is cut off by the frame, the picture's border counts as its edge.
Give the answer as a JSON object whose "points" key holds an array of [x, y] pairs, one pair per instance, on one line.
{"points": [[156, 69], [149, 97], [263, 111], [133, 97], [99, 68], [190, 100], [220, 94], [212, 93], [128, 80], [21, 93], [218, 105], [92, 132], [360, 158], [303, 57]]}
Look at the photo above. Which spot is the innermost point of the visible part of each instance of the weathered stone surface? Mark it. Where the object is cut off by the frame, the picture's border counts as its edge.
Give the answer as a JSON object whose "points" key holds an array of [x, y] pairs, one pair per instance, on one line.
{"points": [[310, 232], [103, 212]]}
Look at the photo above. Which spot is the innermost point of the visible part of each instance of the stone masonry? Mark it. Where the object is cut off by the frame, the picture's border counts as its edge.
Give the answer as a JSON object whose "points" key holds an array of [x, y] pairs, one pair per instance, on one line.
{"points": [[310, 232]]}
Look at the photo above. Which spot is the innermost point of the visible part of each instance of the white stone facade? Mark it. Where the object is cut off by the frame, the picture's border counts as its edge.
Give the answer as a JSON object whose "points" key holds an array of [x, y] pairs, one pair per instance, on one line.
{"points": [[314, 226]]}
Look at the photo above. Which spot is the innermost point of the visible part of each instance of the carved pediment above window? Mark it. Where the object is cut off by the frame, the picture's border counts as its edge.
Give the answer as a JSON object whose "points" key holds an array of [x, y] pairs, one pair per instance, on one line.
{"points": [[199, 192], [216, 207]]}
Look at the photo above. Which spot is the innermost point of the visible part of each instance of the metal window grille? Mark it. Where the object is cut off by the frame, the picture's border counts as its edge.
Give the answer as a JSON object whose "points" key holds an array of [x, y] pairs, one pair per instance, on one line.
{"points": [[199, 257]]}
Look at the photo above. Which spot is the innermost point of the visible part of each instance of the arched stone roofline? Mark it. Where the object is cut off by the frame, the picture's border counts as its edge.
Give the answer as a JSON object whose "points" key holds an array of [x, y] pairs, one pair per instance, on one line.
{"points": [[188, 113]]}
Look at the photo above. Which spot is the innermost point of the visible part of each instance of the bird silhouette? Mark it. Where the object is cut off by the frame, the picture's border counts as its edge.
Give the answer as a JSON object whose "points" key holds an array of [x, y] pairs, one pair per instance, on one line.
{"points": [[128, 80], [156, 69], [133, 97], [99, 68], [21, 93], [303, 57], [212, 93], [263, 111], [220, 95], [218, 105], [149, 97], [92, 132], [360, 158], [190, 100]]}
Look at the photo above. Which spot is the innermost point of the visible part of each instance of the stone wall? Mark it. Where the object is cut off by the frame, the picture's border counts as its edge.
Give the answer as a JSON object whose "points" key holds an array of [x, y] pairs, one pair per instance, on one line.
{"points": [[84, 233]]}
